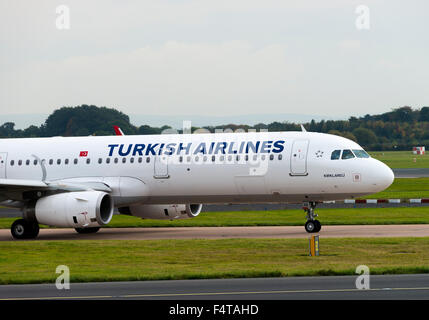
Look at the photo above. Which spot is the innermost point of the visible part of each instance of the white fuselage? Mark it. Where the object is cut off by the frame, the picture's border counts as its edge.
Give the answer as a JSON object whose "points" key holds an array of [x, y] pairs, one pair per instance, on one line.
{"points": [[200, 168]]}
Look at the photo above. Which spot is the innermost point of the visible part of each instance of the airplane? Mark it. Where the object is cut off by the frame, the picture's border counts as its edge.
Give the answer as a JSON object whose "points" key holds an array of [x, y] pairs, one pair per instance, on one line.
{"points": [[77, 182]]}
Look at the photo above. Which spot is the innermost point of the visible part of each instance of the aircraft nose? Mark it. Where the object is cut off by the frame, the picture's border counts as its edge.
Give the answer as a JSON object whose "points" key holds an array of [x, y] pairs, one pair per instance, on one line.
{"points": [[385, 176]]}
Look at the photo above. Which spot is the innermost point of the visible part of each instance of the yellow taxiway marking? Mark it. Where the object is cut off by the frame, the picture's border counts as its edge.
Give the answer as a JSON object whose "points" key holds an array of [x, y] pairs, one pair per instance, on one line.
{"points": [[220, 293]]}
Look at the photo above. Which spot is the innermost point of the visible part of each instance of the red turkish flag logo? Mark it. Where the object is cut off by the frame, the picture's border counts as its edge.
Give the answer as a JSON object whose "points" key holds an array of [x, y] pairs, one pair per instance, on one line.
{"points": [[83, 154]]}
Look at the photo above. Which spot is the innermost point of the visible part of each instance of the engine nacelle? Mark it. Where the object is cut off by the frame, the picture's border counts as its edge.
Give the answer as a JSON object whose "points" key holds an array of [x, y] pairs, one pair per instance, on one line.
{"points": [[163, 211], [75, 209]]}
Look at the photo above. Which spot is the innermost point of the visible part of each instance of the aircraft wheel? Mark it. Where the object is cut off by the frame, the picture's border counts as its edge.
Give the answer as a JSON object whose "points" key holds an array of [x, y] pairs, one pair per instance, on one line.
{"points": [[87, 230], [22, 229], [310, 226], [318, 225]]}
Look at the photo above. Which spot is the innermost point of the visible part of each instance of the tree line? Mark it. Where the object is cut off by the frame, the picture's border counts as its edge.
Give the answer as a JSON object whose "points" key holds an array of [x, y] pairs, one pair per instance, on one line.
{"points": [[400, 129]]}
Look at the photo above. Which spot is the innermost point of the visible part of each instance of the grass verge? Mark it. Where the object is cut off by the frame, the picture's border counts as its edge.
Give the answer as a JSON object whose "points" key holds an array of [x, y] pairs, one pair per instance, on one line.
{"points": [[401, 159], [116, 260], [405, 188]]}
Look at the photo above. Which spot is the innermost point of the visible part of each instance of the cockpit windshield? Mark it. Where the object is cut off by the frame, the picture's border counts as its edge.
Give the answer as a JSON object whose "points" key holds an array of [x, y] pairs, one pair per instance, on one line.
{"points": [[335, 154], [360, 153], [347, 154]]}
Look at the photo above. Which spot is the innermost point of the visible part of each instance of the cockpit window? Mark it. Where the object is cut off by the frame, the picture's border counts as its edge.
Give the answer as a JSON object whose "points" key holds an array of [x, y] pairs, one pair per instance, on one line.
{"points": [[335, 155], [347, 154], [361, 154]]}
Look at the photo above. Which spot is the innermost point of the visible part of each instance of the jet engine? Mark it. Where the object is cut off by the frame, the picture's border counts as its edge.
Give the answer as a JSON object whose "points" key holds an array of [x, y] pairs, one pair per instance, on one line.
{"points": [[74, 209], [163, 211]]}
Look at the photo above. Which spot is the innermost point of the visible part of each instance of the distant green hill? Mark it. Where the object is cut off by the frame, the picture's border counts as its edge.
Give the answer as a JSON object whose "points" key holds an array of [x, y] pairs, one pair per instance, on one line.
{"points": [[400, 129]]}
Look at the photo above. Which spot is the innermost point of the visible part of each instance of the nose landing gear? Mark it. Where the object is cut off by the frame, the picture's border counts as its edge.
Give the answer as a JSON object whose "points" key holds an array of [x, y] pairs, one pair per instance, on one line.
{"points": [[312, 225]]}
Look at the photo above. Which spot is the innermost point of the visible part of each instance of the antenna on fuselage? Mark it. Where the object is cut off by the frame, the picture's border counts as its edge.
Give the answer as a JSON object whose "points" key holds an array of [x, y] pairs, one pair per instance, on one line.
{"points": [[303, 129]]}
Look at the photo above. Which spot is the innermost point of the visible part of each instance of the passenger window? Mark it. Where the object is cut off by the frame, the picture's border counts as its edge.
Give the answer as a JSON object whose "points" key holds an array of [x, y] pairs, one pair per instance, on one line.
{"points": [[271, 157], [347, 154], [88, 161], [59, 161], [100, 161], [107, 160], [27, 162], [147, 159], [140, 159], [280, 156], [335, 155], [66, 161], [12, 162], [75, 161]]}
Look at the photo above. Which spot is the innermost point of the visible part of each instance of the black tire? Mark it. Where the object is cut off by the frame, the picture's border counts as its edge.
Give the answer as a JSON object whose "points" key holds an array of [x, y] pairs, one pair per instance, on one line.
{"points": [[310, 226], [34, 230], [318, 226], [87, 230], [22, 229]]}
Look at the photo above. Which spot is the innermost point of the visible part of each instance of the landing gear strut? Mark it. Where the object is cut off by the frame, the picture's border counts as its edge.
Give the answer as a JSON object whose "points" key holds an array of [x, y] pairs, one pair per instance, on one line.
{"points": [[312, 225], [23, 229]]}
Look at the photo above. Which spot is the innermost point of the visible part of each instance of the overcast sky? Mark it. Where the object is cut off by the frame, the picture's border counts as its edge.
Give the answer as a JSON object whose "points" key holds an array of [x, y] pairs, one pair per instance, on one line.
{"points": [[221, 57]]}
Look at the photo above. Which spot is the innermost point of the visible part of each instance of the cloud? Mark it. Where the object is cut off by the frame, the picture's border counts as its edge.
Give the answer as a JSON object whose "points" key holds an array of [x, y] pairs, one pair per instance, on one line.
{"points": [[176, 77]]}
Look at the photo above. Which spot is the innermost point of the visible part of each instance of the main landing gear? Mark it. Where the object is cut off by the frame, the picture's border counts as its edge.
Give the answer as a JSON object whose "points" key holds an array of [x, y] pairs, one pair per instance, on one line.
{"points": [[87, 230], [23, 229], [312, 225]]}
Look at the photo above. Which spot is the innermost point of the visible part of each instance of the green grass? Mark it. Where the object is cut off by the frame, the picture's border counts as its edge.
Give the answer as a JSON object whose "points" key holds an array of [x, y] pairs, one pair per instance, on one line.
{"points": [[405, 188], [401, 159], [110, 260], [349, 216]]}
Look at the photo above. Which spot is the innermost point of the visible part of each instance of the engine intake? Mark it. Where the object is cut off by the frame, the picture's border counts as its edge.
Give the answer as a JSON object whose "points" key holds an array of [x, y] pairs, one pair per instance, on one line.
{"points": [[75, 209]]}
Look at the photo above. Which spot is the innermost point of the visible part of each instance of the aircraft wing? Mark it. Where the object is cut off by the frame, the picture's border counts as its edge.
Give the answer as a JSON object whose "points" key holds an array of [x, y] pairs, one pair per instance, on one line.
{"points": [[18, 184], [13, 189]]}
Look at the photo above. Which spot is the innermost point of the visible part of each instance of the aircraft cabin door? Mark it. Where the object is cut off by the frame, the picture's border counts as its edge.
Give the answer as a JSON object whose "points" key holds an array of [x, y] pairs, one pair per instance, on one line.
{"points": [[161, 167], [298, 158], [3, 158]]}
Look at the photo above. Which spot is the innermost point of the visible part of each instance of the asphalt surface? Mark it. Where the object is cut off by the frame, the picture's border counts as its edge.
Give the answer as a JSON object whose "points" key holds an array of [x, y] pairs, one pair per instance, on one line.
{"points": [[411, 173], [282, 232], [388, 287]]}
